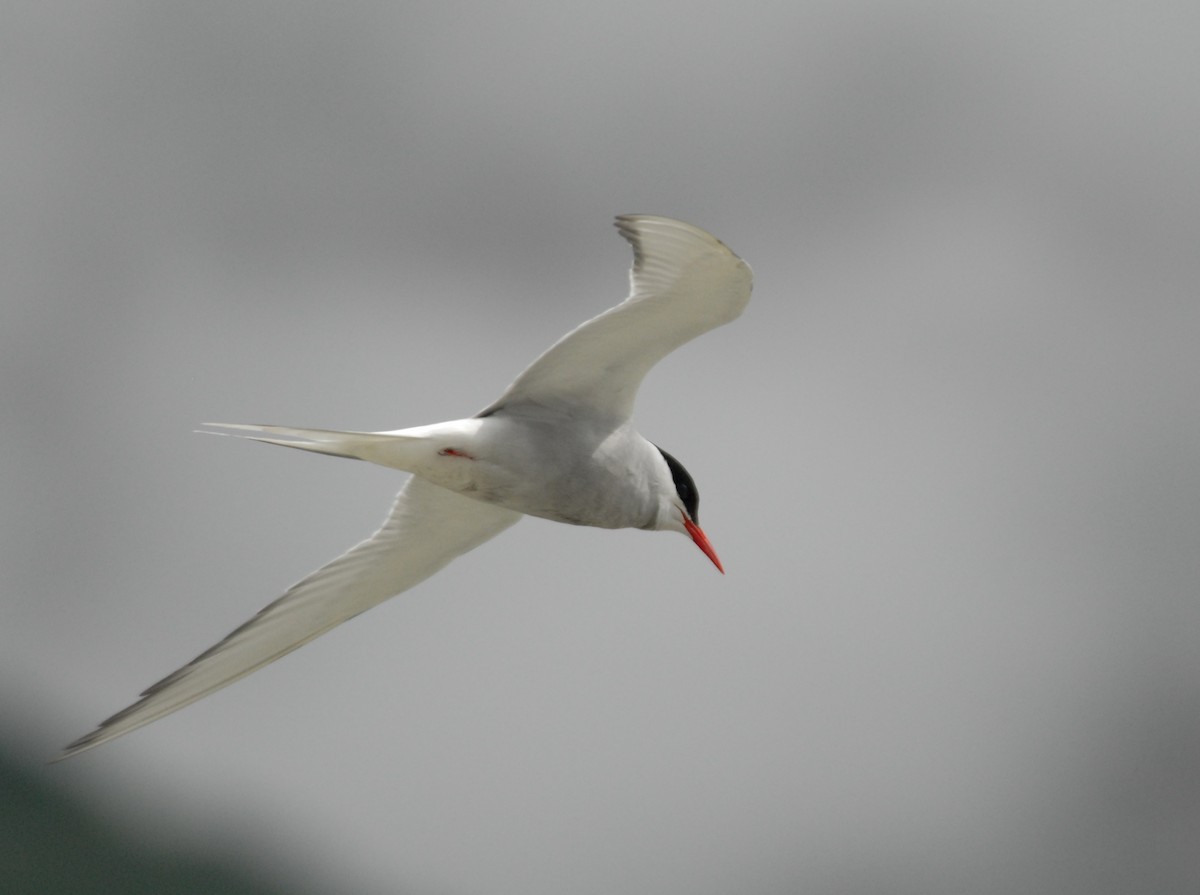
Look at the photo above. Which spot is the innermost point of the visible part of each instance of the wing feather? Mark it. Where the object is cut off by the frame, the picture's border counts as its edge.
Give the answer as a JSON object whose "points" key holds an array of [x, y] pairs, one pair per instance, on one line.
{"points": [[683, 283], [427, 528]]}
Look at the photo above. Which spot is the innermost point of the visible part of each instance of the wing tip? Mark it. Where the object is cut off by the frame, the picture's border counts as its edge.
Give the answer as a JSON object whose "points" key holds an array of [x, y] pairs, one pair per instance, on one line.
{"points": [[83, 744], [634, 228]]}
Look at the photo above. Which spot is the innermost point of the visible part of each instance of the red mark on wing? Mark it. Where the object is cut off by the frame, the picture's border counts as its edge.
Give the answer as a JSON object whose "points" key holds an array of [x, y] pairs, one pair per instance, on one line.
{"points": [[455, 452]]}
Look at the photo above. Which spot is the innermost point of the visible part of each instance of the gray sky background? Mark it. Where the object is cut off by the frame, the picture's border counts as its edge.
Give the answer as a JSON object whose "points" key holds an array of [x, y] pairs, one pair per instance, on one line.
{"points": [[948, 455]]}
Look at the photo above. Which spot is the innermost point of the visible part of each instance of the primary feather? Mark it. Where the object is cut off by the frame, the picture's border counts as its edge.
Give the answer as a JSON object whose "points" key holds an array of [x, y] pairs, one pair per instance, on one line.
{"points": [[427, 527], [683, 283]]}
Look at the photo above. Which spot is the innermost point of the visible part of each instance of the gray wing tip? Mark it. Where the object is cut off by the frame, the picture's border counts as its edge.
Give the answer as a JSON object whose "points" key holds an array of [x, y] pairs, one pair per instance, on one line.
{"points": [[634, 226], [85, 742], [104, 730]]}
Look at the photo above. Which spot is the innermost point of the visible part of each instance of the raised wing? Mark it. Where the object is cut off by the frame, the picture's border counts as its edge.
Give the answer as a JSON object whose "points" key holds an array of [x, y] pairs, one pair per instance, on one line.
{"points": [[684, 282], [427, 528]]}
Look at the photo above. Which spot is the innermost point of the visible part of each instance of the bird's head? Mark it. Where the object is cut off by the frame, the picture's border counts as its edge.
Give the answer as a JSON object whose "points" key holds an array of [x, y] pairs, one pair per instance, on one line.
{"points": [[679, 508]]}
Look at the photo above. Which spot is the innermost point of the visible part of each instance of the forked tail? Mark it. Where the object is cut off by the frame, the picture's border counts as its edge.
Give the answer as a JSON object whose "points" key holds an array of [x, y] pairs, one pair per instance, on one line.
{"points": [[335, 443]]}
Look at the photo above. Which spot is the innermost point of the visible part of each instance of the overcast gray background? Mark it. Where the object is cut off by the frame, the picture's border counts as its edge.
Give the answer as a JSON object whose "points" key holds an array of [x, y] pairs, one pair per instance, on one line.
{"points": [[948, 455]]}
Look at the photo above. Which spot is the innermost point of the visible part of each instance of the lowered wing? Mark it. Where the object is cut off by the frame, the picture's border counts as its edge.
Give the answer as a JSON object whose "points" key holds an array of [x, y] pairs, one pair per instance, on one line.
{"points": [[427, 528]]}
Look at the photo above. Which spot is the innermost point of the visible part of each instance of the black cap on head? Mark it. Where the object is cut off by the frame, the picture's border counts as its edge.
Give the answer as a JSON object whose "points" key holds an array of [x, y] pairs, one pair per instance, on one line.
{"points": [[685, 487]]}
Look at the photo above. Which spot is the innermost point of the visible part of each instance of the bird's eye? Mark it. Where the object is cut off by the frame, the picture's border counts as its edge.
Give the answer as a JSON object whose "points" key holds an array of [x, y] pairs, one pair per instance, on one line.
{"points": [[685, 486]]}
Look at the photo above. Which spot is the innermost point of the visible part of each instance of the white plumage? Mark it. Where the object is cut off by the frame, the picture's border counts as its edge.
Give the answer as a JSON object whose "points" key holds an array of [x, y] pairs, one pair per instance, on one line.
{"points": [[558, 443]]}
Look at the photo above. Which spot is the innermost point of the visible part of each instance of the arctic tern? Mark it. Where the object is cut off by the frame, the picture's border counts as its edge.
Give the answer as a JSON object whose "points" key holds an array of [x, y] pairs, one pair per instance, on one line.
{"points": [[558, 443]]}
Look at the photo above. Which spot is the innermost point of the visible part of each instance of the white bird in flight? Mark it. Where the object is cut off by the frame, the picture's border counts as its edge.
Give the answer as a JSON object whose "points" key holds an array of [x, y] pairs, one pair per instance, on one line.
{"points": [[558, 444]]}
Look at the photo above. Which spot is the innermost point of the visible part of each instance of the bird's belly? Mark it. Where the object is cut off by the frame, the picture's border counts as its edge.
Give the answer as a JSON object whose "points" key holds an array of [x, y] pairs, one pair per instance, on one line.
{"points": [[538, 470], [600, 500], [597, 498]]}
